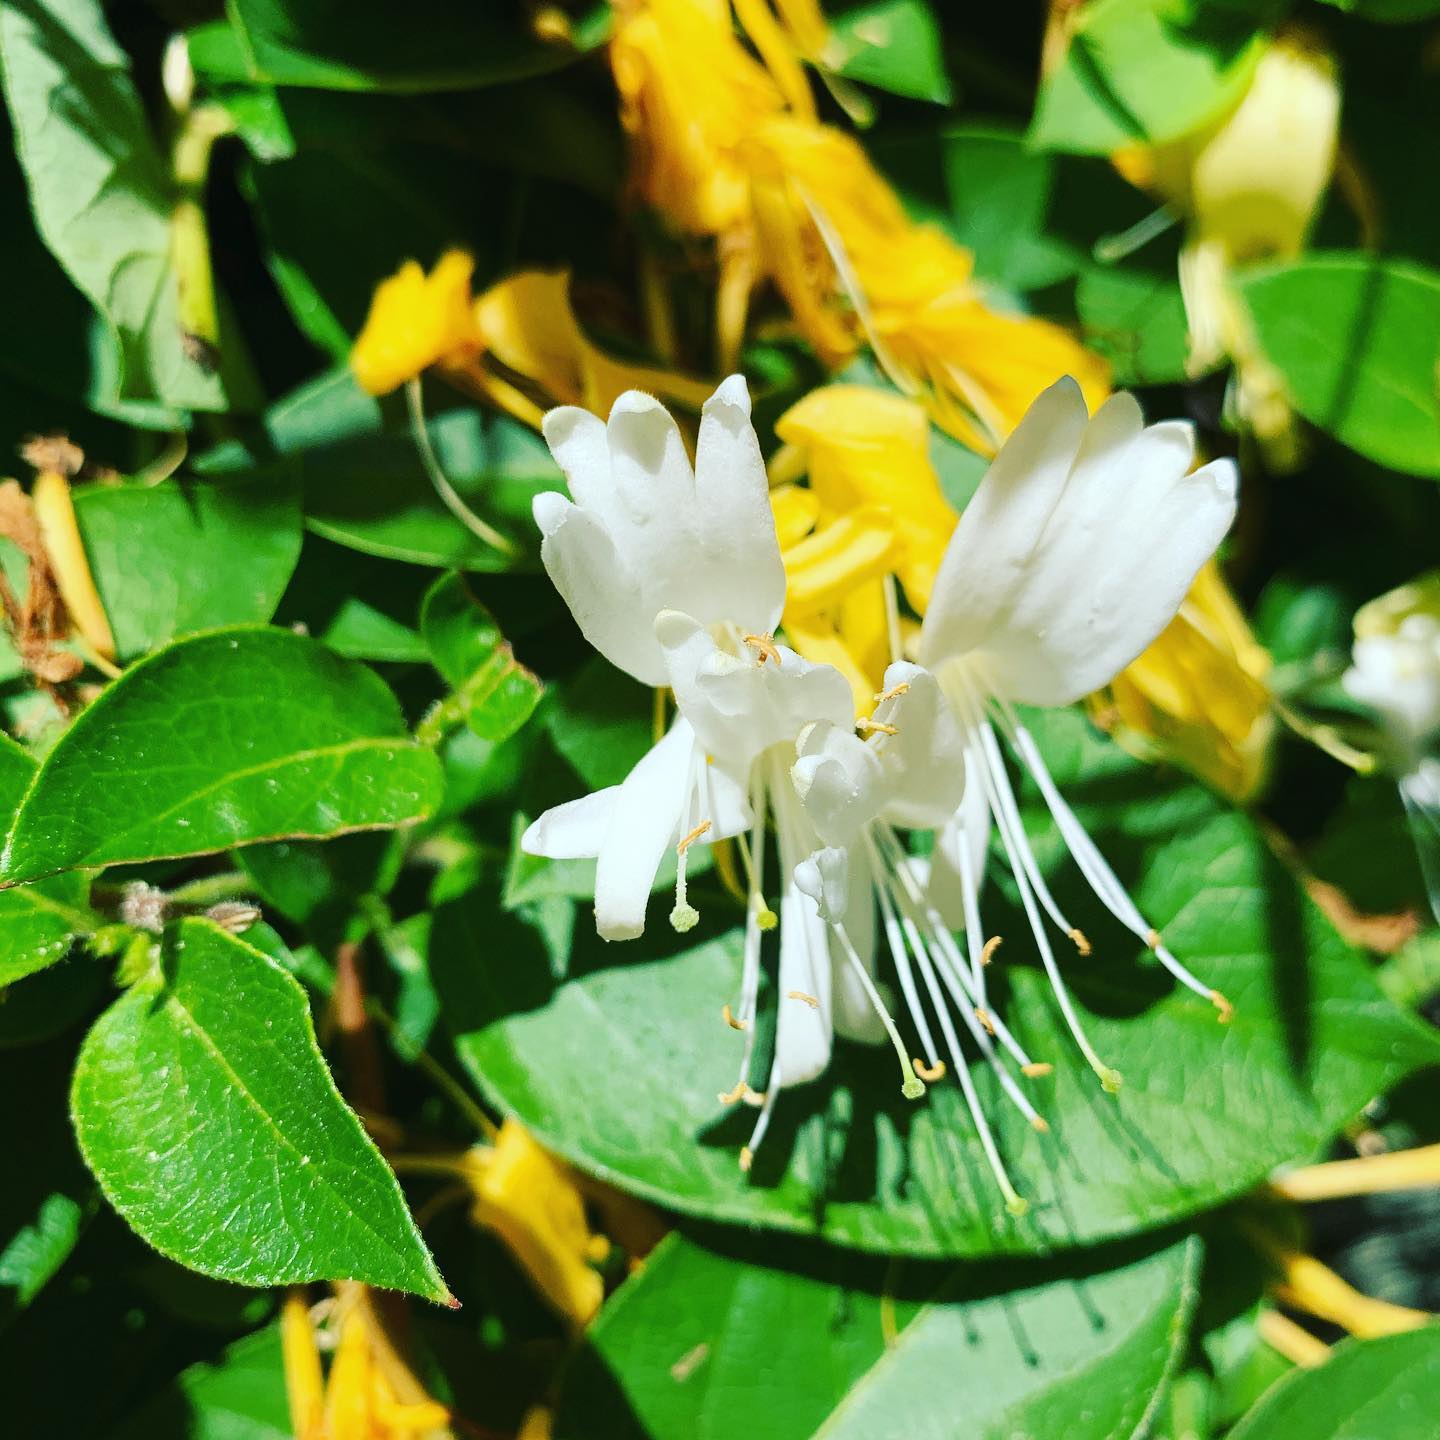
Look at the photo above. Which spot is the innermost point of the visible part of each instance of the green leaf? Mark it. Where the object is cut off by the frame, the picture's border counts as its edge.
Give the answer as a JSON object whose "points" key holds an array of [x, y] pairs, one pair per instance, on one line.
{"points": [[719, 1330], [1367, 1390], [365, 488], [240, 1397], [893, 45], [1388, 12], [435, 46], [37, 922], [601, 723], [492, 690], [203, 1106], [182, 556], [1135, 318], [1144, 71], [219, 740], [1312, 1041], [1357, 340], [100, 190]]}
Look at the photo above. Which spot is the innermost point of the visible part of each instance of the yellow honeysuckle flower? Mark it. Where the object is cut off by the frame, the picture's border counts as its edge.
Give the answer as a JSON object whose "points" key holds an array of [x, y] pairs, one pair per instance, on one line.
{"points": [[527, 324], [530, 1200], [1199, 695], [841, 232], [689, 91], [1250, 184], [729, 147], [370, 1392], [873, 510], [522, 329], [866, 447], [416, 321]]}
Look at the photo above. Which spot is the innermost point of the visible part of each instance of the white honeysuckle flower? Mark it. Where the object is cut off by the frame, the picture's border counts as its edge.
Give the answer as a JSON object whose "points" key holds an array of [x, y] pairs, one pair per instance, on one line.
{"points": [[1395, 670], [646, 533], [909, 772], [1077, 549], [749, 698]]}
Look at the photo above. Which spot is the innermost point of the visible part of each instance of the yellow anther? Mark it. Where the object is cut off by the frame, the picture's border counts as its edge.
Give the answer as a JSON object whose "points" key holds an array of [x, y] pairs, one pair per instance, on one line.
{"points": [[754, 1098], [728, 1015], [747, 1158], [1152, 939], [1082, 944], [688, 840], [764, 646], [810, 1000], [991, 946], [983, 1016], [733, 1097], [1039, 1122], [875, 727], [893, 693], [929, 1073], [766, 918], [1226, 1009], [1037, 1068]]}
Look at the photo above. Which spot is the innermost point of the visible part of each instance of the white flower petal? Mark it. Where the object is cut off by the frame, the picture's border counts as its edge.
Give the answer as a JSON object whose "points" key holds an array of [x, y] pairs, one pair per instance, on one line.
{"points": [[968, 831], [824, 875], [1109, 558], [840, 782], [924, 761], [802, 1030], [739, 705], [854, 1017], [734, 522], [704, 544], [645, 822], [573, 831], [606, 600], [990, 551]]}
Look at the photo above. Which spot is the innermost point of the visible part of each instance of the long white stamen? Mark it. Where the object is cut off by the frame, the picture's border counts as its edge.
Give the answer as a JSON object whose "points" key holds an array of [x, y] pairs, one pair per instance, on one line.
{"points": [[913, 1087], [952, 970], [898, 952], [1015, 1203], [754, 926], [762, 1121], [1096, 869], [1110, 1078]]}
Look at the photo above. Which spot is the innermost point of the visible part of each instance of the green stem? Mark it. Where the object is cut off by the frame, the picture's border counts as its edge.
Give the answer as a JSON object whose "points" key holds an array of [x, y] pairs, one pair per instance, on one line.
{"points": [[443, 488]]}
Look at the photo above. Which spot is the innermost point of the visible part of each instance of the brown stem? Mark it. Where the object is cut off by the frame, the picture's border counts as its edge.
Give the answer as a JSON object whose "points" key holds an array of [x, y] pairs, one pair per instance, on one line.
{"points": [[357, 1037]]}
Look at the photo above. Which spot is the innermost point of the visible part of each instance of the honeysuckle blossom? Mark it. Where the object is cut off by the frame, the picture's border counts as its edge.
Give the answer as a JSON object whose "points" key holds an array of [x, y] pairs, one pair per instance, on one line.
{"points": [[675, 576], [1395, 670], [1200, 694], [1249, 184], [908, 772], [729, 147], [517, 340], [1074, 554], [645, 535], [871, 517]]}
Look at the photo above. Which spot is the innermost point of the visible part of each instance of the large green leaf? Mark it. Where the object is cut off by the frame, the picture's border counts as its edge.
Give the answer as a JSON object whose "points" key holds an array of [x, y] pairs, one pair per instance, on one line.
{"points": [[1135, 317], [37, 922], [1371, 1390], [1144, 71], [1357, 340], [222, 739], [100, 190], [183, 556], [1206, 1112], [718, 1331], [202, 1104], [435, 45]]}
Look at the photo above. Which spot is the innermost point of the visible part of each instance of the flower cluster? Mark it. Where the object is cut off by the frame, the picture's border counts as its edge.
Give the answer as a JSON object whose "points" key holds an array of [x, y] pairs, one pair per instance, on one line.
{"points": [[1074, 554]]}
